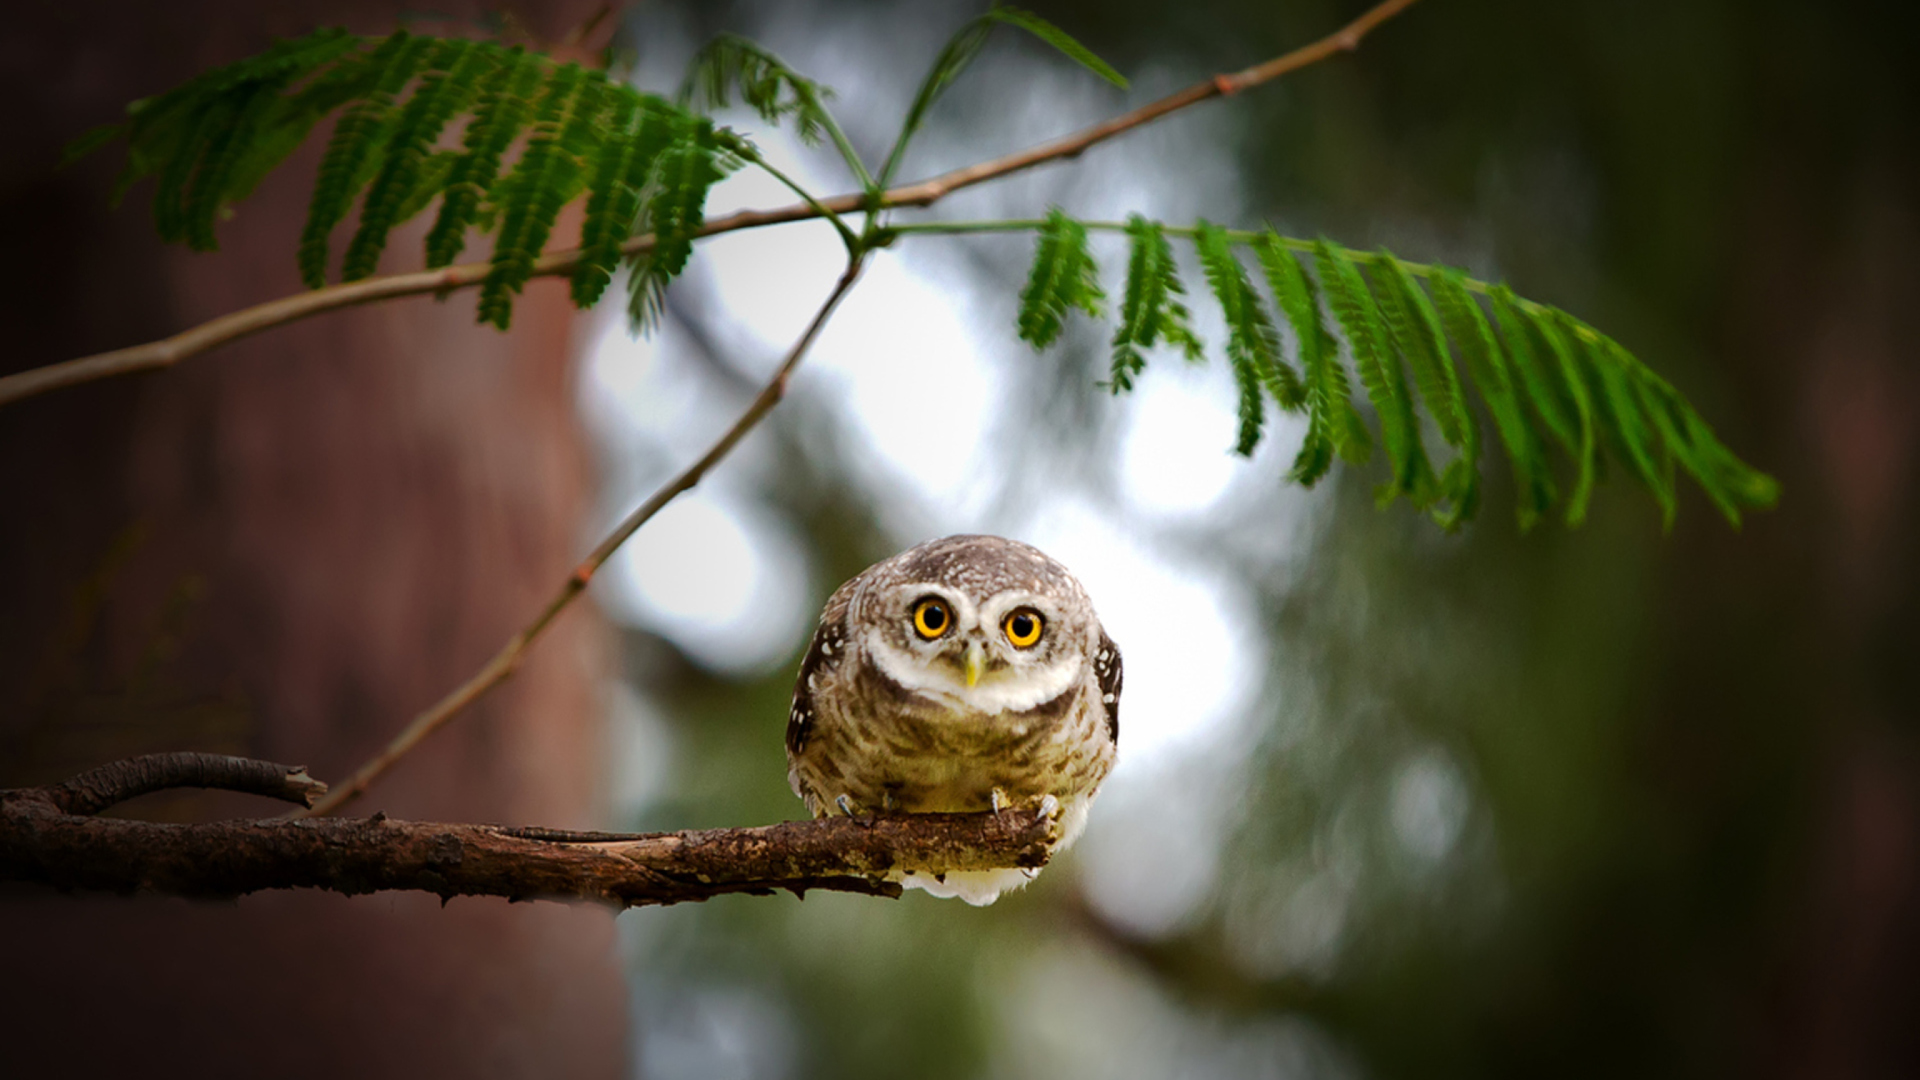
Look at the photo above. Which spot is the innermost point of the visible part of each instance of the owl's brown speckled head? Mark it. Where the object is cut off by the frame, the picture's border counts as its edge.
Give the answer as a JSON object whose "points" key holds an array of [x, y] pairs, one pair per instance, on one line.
{"points": [[992, 622]]}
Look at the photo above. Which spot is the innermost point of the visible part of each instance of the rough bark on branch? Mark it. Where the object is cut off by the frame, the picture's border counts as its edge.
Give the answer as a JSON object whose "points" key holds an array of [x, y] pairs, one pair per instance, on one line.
{"points": [[43, 842]]}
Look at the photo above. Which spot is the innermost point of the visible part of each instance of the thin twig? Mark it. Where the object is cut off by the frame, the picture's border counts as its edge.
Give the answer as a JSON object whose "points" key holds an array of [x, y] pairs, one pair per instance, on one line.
{"points": [[42, 842], [215, 332], [508, 658]]}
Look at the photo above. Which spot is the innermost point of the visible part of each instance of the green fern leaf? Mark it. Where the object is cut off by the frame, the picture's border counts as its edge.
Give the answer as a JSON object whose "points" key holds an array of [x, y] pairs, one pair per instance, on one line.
{"points": [[497, 120], [1063, 277], [1415, 330], [429, 182], [236, 121], [548, 174], [1151, 311], [685, 171], [605, 226], [764, 81], [1622, 414], [621, 175], [1488, 362], [1539, 383], [1360, 320], [1059, 39], [350, 75], [179, 130], [451, 83], [959, 52], [89, 141], [1587, 457], [353, 150], [170, 212], [253, 99], [1334, 428], [1253, 351], [1727, 481]]}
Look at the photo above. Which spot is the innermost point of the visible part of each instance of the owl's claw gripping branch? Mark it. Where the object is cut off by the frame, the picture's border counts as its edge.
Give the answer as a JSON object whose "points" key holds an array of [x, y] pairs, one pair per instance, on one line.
{"points": [[48, 838]]}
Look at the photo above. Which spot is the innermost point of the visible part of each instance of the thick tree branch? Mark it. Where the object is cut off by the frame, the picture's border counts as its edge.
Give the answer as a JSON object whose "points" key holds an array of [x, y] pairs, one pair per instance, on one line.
{"points": [[230, 327], [41, 842], [508, 658]]}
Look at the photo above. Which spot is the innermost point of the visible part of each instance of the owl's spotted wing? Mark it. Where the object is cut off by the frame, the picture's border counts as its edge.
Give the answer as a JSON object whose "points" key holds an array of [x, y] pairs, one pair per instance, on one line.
{"points": [[1106, 672], [829, 645]]}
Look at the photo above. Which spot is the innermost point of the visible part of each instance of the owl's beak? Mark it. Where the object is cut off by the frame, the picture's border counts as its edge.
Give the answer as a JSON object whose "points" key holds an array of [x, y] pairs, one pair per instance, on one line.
{"points": [[976, 662]]}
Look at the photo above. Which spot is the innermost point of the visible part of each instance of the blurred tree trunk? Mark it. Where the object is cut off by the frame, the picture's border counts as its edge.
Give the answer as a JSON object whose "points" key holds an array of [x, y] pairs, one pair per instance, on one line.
{"points": [[283, 548]]}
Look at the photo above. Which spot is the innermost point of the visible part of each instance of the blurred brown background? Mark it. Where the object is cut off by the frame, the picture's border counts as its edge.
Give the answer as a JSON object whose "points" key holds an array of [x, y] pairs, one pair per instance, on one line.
{"points": [[282, 554]]}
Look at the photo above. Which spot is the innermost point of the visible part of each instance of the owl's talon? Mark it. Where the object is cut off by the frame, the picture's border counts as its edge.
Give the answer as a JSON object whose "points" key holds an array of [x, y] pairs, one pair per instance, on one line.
{"points": [[999, 800], [845, 804], [1049, 807]]}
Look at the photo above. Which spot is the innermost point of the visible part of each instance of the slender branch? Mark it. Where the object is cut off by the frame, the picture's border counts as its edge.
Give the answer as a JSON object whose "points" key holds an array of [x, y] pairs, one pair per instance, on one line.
{"points": [[41, 842], [118, 781], [215, 332], [508, 658], [846, 234]]}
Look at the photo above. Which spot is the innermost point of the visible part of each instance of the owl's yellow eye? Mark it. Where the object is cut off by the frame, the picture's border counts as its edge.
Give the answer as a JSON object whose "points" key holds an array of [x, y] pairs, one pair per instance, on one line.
{"points": [[1022, 627], [931, 618]]}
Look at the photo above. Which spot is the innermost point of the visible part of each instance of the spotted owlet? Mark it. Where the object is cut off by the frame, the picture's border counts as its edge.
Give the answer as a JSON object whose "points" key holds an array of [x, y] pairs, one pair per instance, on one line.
{"points": [[966, 674]]}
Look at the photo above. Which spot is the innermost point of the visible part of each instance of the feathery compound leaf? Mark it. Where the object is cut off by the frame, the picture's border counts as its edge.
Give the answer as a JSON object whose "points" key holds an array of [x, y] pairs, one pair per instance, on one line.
{"points": [[960, 51], [503, 109], [1059, 39], [767, 85], [692, 162], [1360, 320], [1533, 477], [626, 162], [611, 205], [1623, 414], [1587, 457], [237, 120], [353, 150], [1063, 277], [1150, 310], [198, 134], [549, 173], [1333, 427], [297, 112], [1252, 350], [1729, 482], [451, 83], [1539, 382], [1415, 330]]}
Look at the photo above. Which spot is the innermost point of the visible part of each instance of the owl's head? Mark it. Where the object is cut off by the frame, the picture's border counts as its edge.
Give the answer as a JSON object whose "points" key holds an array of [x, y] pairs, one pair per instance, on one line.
{"points": [[992, 624]]}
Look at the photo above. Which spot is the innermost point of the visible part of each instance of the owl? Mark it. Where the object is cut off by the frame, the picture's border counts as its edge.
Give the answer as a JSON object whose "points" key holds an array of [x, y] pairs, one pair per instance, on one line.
{"points": [[968, 673]]}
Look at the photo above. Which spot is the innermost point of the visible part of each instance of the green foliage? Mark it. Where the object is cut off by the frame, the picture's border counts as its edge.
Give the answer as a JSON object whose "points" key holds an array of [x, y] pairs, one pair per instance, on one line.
{"points": [[1542, 376], [1150, 310], [1063, 277], [1252, 347], [765, 83], [960, 51], [1334, 427], [644, 162], [549, 174], [696, 157], [647, 165]]}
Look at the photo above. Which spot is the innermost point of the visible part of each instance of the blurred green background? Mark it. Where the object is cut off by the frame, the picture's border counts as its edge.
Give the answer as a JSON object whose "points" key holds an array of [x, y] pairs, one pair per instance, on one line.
{"points": [[1591, 802]]}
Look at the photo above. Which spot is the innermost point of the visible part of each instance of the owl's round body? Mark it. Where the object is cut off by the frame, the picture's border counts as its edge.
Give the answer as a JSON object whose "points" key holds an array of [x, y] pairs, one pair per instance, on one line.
{"points": [[968, 673]]}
